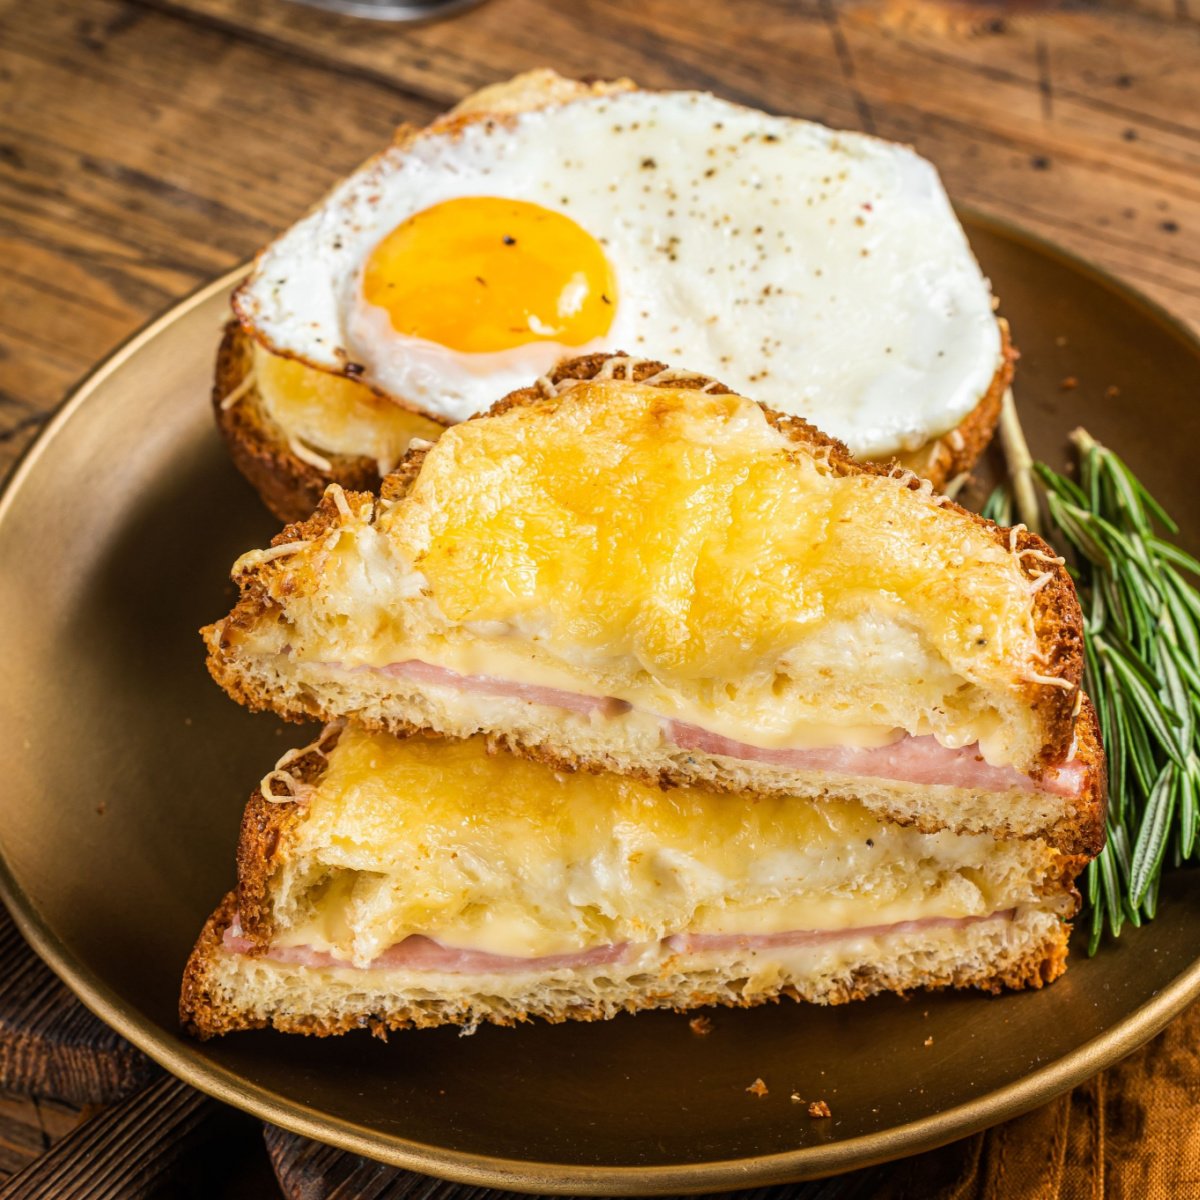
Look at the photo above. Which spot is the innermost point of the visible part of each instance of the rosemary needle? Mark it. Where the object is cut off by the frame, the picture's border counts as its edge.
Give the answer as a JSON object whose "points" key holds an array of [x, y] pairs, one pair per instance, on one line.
{"points": [[1142, 670]]}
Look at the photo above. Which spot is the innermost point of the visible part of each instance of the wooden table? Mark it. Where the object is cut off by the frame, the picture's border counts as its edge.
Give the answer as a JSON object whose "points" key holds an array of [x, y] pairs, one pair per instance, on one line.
{"points": [[148, 145]]}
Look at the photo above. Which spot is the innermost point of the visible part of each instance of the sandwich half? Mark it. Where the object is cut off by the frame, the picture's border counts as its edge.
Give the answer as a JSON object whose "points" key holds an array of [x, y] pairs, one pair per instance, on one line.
{"points": [[385, 883], [823, 272], [630, 568]]}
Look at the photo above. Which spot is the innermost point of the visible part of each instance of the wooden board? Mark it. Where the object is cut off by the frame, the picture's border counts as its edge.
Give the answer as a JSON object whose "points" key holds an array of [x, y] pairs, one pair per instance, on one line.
{"points": [[307, 1170], [83, 1114], [167, 1140], [50, 1045]]}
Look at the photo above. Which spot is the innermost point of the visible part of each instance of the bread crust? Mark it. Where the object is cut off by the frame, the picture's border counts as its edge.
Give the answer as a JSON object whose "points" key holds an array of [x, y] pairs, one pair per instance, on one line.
{"points": [[291, 487], [951, 455], [201, 1011], [267, 832]]}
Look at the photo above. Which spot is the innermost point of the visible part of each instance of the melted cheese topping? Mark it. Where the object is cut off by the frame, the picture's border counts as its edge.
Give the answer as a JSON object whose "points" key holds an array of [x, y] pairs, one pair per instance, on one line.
{"points": [[488, 852], [681, 532], [331, 414], [672, 550]]}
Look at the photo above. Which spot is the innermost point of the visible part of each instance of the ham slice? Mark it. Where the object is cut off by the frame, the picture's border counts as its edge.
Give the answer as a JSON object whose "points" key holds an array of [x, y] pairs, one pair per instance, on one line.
{"points": [[906, 760], [419, 953], [920, 760], [693, 943], [488, 685]]}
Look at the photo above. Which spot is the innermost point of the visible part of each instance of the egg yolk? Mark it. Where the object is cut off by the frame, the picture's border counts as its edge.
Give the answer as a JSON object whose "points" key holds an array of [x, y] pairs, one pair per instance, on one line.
{"points": [[481, 274]]}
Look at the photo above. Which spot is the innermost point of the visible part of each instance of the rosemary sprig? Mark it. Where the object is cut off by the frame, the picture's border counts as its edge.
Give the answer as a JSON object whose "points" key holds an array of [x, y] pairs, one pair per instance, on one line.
{"points": [[1142, 670]]}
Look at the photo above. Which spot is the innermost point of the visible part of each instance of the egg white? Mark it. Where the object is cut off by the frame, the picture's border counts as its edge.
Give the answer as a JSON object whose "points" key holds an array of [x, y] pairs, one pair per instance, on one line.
{"points": [[822, 273]]}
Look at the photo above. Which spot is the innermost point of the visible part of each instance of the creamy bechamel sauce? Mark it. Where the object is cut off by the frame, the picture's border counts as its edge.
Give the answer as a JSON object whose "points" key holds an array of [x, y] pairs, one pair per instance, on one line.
{"points": [[332, 415]]}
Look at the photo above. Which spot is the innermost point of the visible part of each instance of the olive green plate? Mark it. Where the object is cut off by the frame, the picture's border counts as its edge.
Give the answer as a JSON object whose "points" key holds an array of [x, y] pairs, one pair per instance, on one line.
{"points": [[125, 771]]}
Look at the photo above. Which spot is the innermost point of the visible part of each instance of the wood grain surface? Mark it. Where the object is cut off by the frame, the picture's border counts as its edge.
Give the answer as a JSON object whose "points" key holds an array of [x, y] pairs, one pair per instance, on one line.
{"points": [[167, 1140], [307, 1170], [50, 1045], [85, 1116]]}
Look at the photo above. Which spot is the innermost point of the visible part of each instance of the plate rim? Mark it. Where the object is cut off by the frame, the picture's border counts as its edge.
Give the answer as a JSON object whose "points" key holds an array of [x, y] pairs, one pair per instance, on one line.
{"points": [[809, 1162]]}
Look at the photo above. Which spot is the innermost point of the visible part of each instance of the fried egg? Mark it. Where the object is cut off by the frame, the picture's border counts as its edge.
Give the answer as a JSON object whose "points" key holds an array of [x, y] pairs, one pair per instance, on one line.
{"points": [[822, 273]]}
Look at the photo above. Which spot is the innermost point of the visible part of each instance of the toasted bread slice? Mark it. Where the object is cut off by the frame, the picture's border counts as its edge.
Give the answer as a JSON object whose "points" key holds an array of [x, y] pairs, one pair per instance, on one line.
{"points": [[633, 569], [392, 882]]}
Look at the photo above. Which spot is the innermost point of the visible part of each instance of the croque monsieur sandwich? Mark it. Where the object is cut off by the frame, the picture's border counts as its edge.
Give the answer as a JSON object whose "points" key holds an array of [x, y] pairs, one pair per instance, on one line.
{"points": [[631, 569], [822, 272], [387, 883]]}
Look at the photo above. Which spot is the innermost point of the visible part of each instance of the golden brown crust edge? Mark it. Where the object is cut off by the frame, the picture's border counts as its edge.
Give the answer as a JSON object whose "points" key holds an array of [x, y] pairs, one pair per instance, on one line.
{"points": [[291, 487], [1086, 832], [201, 1012], [204, 1013], [264, 841]]}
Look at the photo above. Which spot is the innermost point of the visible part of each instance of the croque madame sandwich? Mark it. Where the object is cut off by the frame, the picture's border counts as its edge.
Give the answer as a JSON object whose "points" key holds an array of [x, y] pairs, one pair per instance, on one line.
{"points": [[822, 272], [386, 883], [631, 569]]}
